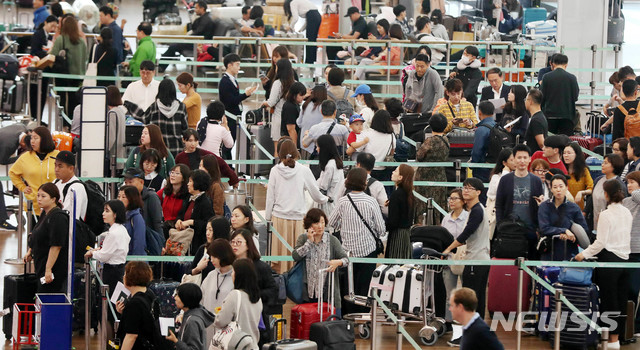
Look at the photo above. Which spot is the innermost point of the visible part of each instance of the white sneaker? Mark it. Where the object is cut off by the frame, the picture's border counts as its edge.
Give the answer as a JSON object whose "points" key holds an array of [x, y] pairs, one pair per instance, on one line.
{"points": [[613, 345]]}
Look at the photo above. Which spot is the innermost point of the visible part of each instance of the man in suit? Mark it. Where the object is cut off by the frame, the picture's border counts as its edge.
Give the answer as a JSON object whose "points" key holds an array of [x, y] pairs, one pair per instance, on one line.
{"points": [[496, 90], [230, 96], [203, 25], [476, 334], [559, 95]]}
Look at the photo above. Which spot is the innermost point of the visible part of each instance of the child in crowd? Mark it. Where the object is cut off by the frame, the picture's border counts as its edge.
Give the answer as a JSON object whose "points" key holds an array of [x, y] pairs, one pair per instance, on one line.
{"points": [[356, 139]]}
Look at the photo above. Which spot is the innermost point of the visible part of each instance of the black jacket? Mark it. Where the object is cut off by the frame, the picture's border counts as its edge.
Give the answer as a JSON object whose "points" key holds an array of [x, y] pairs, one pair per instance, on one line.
{"points": [[230, 95], [487, 94], [471, 78], [559, 94], [202, 212], [204, 26], [479, 336], [38, 42]]}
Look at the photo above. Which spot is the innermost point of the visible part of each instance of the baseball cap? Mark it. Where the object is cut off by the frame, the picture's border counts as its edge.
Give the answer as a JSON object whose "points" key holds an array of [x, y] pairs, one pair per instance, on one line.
{"points": [[362, 89], [66, 157], [356, 118], [351, 11], [131, 173]]}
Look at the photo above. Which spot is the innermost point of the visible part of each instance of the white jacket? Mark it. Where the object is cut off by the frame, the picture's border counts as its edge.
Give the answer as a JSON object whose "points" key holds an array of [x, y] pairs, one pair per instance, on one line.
{"points": [[285, 192]]}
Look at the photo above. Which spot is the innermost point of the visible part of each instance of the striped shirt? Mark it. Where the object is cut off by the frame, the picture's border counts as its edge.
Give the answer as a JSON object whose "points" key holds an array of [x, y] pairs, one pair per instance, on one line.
{"points": [[356, 238]]}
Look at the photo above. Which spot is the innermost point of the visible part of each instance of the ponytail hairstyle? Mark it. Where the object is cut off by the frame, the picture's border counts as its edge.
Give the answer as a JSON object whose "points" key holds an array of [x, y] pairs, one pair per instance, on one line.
{"points": [[52, 190], [288, 153], [186, 79]]}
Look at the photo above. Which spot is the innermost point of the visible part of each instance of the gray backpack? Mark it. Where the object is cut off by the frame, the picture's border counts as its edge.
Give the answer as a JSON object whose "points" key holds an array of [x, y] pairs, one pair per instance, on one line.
{"points": [[342, 104]]}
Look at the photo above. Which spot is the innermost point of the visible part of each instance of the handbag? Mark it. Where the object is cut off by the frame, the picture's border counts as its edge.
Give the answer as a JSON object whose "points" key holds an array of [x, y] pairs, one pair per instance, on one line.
{"points": [[179, 241], [189, 278], [60, 64], [460, 254], [577, 276], [294, 281], [389, 157], [379, 244], [229, 337], [92, 69]]}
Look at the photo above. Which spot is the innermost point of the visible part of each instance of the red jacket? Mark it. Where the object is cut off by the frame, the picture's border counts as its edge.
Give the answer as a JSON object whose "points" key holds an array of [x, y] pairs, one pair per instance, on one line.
{"points": [[225, 170], [171, 205]]}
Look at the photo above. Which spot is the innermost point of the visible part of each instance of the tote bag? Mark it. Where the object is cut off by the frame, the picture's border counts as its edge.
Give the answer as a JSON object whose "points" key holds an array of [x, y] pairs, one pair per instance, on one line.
{"points": [[92, 69]]}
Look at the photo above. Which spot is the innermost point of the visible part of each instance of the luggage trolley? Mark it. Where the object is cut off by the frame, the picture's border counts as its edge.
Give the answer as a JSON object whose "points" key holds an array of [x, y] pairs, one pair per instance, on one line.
{"points": [[432, 326]]}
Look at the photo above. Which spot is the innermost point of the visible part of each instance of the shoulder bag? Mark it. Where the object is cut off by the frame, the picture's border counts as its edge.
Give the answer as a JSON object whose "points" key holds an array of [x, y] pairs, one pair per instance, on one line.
{"points": [[60, 64], [231, 336], [92, 69], [460, 254], [389, 157], [379, 244]]}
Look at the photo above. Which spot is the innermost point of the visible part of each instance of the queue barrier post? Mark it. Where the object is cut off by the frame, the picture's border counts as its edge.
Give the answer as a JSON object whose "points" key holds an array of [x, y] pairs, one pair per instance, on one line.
{"points": [[50, 102], [104, 293], [616, 56], [558, 319], [39, 101], [269, 237], [374, 318], [399, 325], [87, 303], [457, 164], [252, 168], [18, 259], [592, 84], [604, 338], [519, 263]]}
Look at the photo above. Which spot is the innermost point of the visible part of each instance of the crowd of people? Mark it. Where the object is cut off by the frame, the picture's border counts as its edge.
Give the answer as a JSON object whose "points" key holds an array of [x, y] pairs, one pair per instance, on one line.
{"points": [[173, 181]]}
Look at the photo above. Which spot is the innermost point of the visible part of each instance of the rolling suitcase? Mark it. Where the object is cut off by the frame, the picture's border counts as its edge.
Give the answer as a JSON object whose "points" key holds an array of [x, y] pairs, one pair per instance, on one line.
{"points": [[289, 344], [503, 289], [17, 289], [542, 298], [14, 94], [587, 142], [460, 142], [586, 299], [383, 278], [407, 291], [414, 123], [164, 290], [628, 329], [304, 315], [533, 14], [262, 132]]}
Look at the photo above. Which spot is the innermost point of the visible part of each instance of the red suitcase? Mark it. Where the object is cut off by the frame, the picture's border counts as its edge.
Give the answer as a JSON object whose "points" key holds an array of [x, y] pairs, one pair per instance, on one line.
{"points": [[503, 289], [303, 315], [587, 142]]}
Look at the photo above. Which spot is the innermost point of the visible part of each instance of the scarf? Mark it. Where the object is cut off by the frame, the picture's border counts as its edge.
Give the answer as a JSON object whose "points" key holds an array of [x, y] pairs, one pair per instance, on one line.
{"points": [[318, 255]]}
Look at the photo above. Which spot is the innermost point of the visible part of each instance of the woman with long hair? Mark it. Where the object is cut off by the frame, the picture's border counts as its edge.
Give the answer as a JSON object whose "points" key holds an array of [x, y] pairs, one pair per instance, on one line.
{"points": [[401, 204], [331, 170], [580, 181], [209, 163], [243, 304], [219, 282], [382, 143], [296, 9], [35, 167], [49, 241], [366, 104], [285, 205], [319, 249], [217, 228], [173, 195], [197, 211], [70, 41], [291, 111], [556, 215], [135, 225], [193, 101], [105, 56], [612, 244], [151, 137], [169, 114], [278, 53], [283, 80], [505, 164], [311, 114], [515, 109]]}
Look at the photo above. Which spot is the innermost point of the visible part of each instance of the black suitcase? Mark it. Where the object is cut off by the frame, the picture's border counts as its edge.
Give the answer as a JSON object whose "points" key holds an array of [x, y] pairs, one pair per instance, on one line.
{"points": [[297, 344], [460, 143], [17, 289], [14, 96], [334, 333], [414, 123], [78, 302], [586, 299], [9, 67]]}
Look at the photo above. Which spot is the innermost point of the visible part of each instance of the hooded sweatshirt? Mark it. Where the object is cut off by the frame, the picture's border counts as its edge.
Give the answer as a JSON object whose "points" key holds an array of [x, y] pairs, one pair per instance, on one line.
{"points": [[30, 171], [633, 204], [192, 333], [172, 121], [168, 111], [285, 193]]}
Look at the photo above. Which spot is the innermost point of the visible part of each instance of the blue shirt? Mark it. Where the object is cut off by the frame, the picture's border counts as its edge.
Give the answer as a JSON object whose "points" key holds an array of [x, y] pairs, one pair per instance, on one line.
{"points": [[117, 41], [39, 16], [137, 231], [480, 145]]}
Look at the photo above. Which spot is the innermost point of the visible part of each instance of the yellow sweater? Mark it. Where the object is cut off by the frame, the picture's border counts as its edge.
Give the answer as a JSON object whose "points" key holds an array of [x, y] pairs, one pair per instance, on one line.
{"points": [[30, 171], [194, 109], [575, 186]]}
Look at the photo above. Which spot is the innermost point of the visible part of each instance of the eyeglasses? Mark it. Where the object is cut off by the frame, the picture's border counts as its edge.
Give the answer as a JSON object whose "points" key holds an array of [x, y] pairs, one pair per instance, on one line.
{"points": [[451, 199], [237, 243], [469, 188]]}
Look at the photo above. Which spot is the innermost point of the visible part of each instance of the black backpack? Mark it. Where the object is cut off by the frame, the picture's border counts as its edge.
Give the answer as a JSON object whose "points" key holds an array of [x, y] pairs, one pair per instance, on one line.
{"points": [[95, 204], [499, 139], [342, 104]]}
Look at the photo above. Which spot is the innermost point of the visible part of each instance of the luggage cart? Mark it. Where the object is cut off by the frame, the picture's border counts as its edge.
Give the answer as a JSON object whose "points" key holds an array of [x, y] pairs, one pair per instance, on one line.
{"points": [[433, 327]]}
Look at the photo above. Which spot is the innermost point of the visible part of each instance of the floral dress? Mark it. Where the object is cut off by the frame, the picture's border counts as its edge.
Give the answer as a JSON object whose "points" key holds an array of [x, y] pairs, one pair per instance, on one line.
{"points": [[433, 149]]}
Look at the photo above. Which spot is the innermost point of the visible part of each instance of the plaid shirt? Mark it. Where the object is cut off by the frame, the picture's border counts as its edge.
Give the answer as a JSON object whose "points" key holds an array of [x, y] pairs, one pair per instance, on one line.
{"points": [[171, 128], [466, 111]]}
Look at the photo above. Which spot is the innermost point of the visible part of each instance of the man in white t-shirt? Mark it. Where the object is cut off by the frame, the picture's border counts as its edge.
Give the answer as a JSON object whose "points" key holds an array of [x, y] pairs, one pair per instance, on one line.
{"points": [[142, 92], [65, 168]]}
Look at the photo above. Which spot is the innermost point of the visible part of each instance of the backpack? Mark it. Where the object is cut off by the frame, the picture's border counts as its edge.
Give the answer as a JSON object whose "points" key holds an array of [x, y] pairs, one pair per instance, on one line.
{"points": [[499, 139], [631, 121], [403, 148], [342, 104], [95, 204], [84, 237]]}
